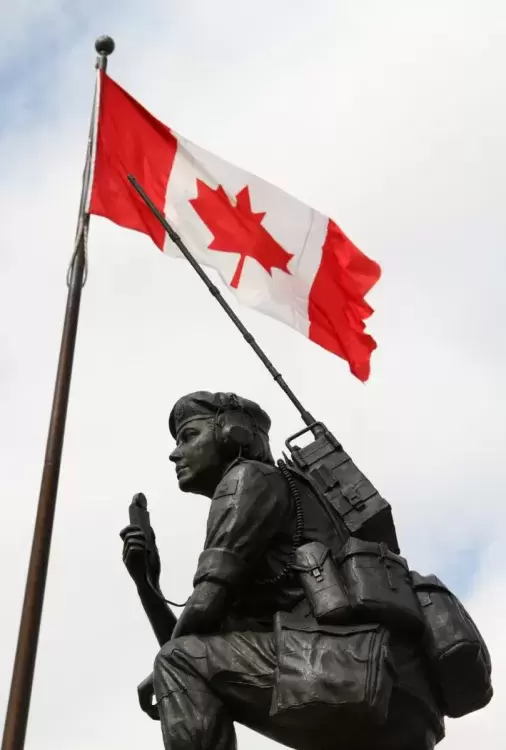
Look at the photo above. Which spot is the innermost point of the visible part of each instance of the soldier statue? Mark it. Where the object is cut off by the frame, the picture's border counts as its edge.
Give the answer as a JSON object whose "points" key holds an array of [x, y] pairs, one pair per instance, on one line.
{"points": [[250, 645]]}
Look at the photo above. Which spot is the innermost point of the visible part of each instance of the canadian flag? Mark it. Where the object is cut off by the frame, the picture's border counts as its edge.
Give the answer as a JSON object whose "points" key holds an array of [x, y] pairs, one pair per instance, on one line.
{"points": [[277, 255]]}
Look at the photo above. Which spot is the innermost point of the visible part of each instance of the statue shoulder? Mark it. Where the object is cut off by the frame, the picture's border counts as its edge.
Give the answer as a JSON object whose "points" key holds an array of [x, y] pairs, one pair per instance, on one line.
{"points": [[246, 474]]}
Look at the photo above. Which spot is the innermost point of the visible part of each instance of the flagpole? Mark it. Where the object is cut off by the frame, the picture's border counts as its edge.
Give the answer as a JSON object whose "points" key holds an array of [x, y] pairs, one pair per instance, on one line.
{"points": [[26, 652]]}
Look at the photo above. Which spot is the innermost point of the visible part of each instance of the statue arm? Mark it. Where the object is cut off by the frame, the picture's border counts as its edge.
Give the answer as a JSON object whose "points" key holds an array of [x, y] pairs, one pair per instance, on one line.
{"points": [[161, 617], [204, 611], [143, 564], [246, 511]]}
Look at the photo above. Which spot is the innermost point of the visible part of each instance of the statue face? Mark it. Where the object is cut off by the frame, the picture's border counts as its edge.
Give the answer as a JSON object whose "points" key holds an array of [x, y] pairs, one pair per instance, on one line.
{"points": [[199, 465]]}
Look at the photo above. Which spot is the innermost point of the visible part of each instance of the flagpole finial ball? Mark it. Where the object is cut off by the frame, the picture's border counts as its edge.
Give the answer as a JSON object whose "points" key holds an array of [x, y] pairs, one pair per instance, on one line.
{"points": [[105, 45]]}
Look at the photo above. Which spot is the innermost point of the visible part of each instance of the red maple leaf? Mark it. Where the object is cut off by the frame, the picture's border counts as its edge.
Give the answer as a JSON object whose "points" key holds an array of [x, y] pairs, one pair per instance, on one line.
{"points": [[238, 229]]}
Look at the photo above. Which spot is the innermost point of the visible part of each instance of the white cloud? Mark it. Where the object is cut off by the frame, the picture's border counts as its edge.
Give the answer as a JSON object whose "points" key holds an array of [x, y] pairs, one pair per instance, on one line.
{"points": [[387, 116]]}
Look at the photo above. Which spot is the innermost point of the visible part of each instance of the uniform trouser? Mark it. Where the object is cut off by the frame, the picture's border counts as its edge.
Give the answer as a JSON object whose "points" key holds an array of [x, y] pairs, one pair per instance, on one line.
{"points": [[204, 684]]}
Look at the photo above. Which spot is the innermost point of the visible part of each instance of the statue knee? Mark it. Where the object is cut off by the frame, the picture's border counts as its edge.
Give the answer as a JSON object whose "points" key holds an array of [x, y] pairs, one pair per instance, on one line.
{"points": [[163, 657]]}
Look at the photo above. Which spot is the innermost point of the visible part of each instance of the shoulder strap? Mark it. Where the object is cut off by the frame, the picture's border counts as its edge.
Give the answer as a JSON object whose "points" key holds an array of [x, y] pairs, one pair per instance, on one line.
{"points": [[299, 527]]}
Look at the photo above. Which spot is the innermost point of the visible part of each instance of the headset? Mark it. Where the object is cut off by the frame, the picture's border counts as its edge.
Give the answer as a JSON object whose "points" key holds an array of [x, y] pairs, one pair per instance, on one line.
{"points": [[231, 425]]}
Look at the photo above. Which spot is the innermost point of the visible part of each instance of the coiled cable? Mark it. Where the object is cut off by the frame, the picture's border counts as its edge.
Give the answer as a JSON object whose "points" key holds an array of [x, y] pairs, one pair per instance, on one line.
{"points": [[299, 527]]}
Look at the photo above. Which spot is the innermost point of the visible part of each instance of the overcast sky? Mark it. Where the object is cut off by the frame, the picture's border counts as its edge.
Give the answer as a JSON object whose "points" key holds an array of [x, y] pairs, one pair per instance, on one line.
{"points": [[388, 116]]}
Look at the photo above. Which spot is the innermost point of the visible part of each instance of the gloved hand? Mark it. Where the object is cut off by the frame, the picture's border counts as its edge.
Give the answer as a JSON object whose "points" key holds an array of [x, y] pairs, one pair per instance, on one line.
{"points": [[140, 560]]}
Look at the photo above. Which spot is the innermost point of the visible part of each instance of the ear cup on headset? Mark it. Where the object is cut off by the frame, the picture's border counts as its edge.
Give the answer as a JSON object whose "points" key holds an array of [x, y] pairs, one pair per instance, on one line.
{"points": [[237, 434], [232, 432], [232, 429]]}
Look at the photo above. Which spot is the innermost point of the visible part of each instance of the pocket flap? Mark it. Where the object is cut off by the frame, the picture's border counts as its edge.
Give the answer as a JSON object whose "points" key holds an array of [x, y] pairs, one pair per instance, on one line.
{"points": [[310, 556], [354, 547], [308, 624]]}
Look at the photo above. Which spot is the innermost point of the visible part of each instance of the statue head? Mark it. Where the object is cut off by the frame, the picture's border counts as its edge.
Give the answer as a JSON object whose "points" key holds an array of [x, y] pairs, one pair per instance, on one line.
{"points": [[212, 430]]}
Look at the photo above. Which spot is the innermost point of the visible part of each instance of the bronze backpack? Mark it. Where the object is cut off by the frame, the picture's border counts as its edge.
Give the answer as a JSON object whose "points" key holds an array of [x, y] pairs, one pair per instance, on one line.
{"points": [[457, 653]]}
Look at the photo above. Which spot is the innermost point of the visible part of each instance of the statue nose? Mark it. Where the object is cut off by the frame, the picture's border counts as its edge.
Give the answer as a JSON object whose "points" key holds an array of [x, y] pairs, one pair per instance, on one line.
{"points": [[175, 455]]}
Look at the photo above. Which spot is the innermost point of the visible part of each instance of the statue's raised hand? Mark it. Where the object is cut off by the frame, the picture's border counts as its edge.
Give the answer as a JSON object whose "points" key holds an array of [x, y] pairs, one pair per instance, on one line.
{"points": [[140, 554], [140, 559]]}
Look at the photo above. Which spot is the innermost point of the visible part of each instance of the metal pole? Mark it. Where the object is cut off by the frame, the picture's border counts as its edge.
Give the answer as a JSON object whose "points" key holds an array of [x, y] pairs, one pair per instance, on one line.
{"points": [[176, 239], [24, 663]]}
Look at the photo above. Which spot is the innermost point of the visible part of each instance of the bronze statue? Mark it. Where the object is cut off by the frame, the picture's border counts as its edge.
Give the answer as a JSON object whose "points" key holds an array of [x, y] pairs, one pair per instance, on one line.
{"points": [[296, 628]]}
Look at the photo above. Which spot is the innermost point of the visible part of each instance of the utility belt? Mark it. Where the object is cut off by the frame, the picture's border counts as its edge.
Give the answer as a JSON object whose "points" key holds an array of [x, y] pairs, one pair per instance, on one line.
{"points": [[366, 582]]}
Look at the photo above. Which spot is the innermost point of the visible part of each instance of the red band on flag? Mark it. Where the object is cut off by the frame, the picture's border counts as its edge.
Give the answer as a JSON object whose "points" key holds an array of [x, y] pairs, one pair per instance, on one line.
{"points": [[130, 141], [337, 308]]}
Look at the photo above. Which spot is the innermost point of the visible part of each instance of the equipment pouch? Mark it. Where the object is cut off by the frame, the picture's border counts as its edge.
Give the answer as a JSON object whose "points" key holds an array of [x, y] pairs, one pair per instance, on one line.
{"points": [[322, 584], [457, 653], [344, 672], [378, 585]]}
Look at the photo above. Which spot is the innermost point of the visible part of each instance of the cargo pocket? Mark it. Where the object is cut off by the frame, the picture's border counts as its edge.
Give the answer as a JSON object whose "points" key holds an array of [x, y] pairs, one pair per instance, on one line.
{"points": [[324, 669]]}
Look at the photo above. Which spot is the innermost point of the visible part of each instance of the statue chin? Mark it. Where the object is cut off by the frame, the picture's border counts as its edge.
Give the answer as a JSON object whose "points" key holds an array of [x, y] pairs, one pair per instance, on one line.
{"points": [[184, 481], [188, 482]]}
